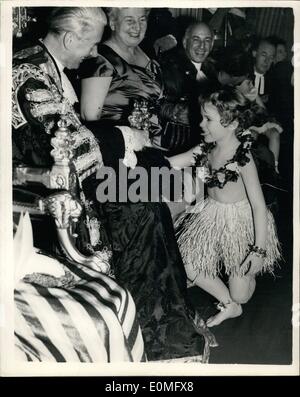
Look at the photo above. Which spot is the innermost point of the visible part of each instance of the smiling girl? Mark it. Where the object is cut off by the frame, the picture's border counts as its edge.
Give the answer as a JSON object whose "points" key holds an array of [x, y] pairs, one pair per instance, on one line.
{"points": [[232, 227]]}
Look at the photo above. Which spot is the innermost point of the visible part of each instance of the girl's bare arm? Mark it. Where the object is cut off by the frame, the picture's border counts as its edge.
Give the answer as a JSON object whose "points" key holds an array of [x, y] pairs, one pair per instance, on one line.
{"points": [[257, 202]]}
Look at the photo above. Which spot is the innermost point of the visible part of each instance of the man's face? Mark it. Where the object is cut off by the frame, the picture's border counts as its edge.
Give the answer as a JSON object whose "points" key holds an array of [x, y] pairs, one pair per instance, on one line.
{"points": [[264, 57], [198, 43], [83, 46]]}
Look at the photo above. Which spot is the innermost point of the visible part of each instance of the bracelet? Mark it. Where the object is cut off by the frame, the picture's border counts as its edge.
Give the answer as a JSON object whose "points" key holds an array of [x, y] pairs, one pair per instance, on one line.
{"points": [[257, 251]]}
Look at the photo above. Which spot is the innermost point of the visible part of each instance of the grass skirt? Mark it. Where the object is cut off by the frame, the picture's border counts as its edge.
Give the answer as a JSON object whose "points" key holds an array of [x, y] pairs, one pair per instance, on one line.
{"points": [[217, 234]]}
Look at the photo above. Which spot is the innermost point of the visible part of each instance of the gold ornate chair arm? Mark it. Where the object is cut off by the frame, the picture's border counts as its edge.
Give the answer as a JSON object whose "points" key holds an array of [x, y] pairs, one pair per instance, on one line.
{"points": [[59, 177], [23, 175], [65, 210]]}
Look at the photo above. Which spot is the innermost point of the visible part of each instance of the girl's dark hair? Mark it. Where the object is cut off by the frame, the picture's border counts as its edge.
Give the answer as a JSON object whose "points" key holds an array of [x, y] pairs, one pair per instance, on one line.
{"points": [[232, 105]]}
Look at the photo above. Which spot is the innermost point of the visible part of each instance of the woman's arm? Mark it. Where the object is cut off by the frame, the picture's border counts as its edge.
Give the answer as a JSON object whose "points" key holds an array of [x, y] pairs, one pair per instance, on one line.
{"points": [[93, 94]]}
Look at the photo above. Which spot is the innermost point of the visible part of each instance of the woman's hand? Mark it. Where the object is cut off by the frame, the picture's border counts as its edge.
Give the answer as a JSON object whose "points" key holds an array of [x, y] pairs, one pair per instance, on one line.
{"points": [[182, 160], [251, 265]]}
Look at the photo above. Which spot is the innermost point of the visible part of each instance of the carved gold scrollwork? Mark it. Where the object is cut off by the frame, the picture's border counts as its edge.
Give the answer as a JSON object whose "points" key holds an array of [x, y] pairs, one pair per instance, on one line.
{"points": [[23, 175], [63, 146], [100, 260], [62, 154], [58, 181], [63, 207]]}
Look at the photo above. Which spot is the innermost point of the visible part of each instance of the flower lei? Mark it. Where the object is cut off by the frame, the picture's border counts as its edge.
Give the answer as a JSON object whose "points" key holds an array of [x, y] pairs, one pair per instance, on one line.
{"points": [[230, 171]]}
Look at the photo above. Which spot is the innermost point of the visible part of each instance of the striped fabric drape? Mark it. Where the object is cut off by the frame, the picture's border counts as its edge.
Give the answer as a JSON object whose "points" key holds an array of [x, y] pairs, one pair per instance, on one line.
{"points": [[190, 12], [93, 320], [275, 21], [266, 21]]}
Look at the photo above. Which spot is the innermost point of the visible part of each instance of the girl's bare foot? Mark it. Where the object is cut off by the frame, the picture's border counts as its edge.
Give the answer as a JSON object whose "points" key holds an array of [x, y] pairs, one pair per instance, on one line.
{"points": [[227, 310]]}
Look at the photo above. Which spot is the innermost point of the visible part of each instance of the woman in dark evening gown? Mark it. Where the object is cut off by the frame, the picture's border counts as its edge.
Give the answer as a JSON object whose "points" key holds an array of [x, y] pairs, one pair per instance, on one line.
{"points": [[128, 83], [146, 258], [125, 73]]}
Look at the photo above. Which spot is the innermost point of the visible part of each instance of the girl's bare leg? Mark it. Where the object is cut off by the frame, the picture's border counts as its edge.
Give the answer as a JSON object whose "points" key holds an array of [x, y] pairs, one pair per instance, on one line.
{"points": [[241, 288], [219, 290]]}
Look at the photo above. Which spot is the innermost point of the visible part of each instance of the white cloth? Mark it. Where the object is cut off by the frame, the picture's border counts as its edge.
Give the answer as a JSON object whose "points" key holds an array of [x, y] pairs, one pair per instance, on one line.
{"points": [[26, 257], [200, 75], [259, 83]]}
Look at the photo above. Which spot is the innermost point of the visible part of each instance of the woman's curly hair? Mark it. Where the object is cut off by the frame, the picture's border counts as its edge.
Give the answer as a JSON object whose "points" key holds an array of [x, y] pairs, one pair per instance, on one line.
{"points": [[233, 105]]}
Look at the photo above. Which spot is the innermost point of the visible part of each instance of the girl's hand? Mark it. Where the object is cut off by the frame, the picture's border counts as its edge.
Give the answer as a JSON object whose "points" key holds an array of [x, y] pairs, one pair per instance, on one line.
{"points": [[251, 265]]}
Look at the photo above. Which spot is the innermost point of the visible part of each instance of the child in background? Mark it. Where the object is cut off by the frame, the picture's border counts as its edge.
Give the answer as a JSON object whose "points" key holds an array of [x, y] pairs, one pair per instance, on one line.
{"points": [[232, 226]]}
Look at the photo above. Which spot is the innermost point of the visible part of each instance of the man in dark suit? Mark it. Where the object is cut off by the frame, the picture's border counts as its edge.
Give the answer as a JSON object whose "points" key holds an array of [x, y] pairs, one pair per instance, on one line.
{"points": [[264, 56], [187, 71]]}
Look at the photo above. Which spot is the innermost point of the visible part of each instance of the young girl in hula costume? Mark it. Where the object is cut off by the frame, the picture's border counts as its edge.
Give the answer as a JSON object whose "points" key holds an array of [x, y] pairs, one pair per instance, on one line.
{"points": [[232, 226]]}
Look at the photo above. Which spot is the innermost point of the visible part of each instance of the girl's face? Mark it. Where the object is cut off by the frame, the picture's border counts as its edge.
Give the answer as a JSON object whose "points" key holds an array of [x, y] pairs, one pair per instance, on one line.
{"points": [[213, 130], [130, 26]]}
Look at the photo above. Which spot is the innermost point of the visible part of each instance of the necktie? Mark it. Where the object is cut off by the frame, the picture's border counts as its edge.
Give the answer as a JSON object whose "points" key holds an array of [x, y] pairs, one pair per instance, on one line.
{"points": [[259, 83], [200, 75], [68, 90]]}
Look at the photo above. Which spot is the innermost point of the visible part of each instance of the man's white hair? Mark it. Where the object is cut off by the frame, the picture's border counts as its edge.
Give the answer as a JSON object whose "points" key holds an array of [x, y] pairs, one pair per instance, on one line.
{"points": [[76, 19]]}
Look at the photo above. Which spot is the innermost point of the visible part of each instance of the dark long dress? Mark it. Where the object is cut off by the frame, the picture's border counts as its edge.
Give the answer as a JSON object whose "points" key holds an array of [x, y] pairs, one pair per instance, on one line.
{"points": [[147, 261], [146, 257]]}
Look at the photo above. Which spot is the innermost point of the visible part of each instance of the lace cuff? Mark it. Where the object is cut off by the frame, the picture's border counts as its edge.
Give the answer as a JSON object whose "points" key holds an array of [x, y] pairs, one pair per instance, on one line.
{"points": [[134, 140]]}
